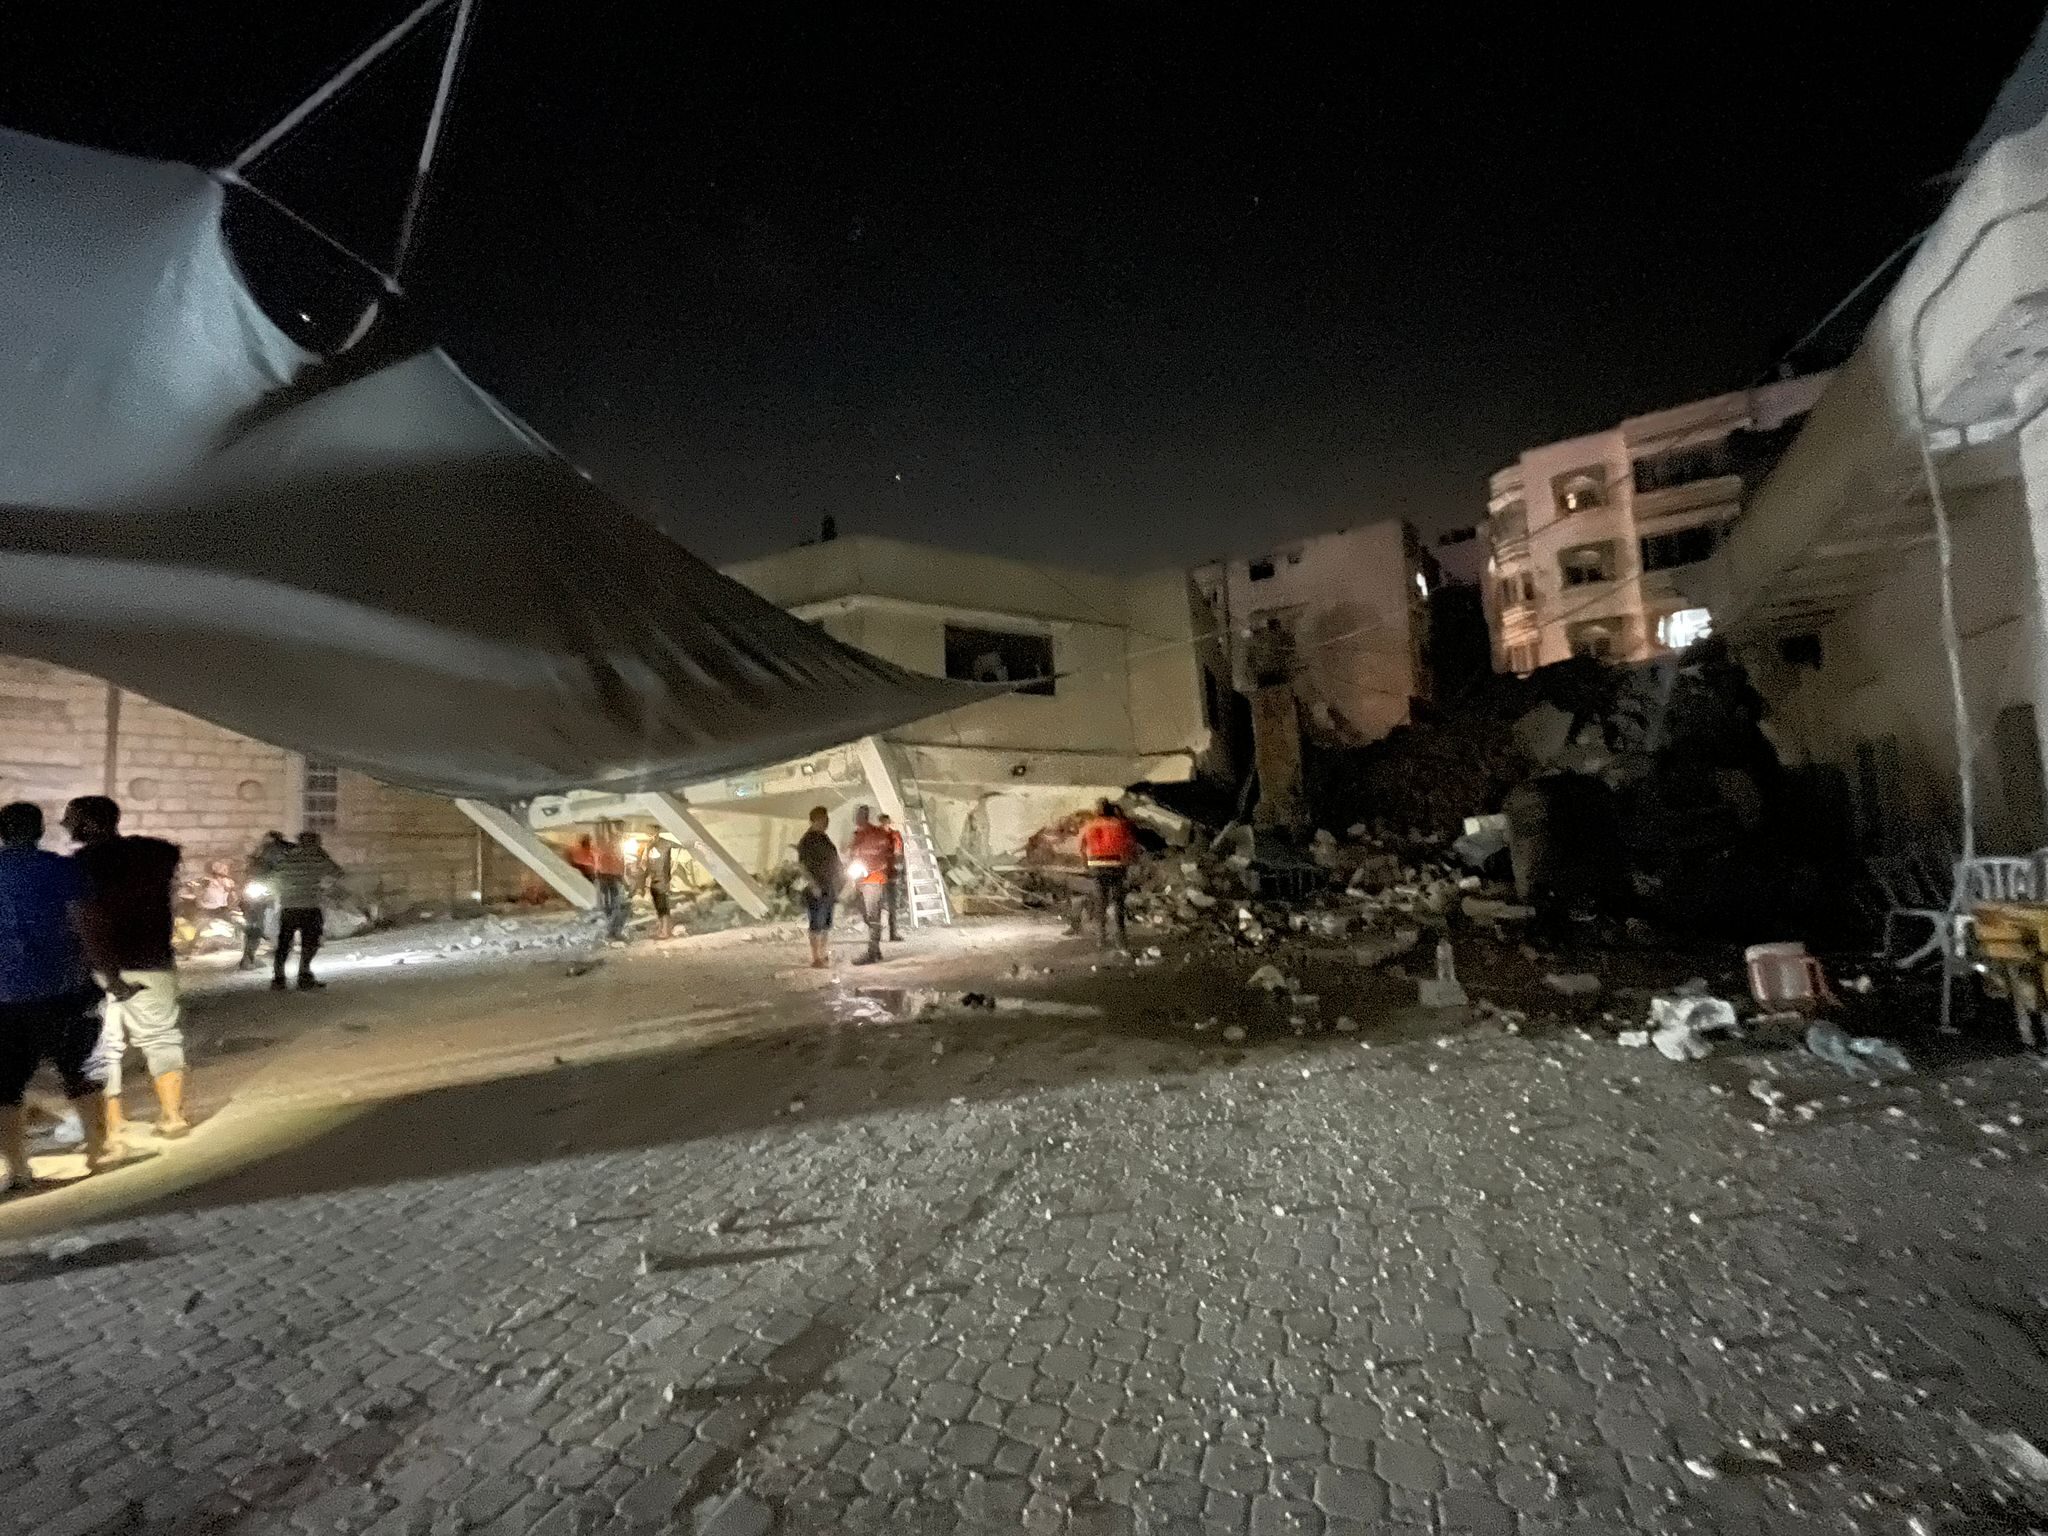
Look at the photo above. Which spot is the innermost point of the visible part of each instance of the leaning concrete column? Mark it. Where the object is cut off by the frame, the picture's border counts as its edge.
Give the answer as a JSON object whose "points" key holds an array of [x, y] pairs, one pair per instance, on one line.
{"points": [[527, 846], [679, 820]]}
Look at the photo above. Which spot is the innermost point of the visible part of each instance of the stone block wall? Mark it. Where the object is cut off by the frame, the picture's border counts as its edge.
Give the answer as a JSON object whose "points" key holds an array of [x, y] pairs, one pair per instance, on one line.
{"points": [[216, 793]]}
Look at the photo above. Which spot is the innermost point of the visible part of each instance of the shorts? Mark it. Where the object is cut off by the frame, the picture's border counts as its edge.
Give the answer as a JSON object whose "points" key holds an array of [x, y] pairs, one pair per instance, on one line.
{"points": [[64, 1031], [149, 1021], [658, 896], [818, 909]]}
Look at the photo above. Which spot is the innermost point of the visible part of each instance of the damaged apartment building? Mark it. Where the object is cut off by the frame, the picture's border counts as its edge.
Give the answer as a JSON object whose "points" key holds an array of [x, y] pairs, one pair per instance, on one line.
{"points": [[1326, 636], [1589, 538], [1101, 681]]}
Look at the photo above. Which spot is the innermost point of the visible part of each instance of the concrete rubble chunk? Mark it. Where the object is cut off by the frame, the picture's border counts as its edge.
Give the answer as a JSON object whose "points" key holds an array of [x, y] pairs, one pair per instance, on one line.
{"points": [[1484, 909], [1443, 990], [1573, 984]]}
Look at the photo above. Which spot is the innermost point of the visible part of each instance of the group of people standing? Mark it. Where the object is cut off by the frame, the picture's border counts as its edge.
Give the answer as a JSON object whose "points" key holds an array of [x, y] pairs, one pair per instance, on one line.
{"points": [[88, 969], [872, 864], [86, 974], [601, 857]]}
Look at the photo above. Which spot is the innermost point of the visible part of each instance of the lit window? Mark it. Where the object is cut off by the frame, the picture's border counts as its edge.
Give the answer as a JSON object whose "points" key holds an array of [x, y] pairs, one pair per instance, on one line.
{"points": [[1688, 626], [1579, 490]]}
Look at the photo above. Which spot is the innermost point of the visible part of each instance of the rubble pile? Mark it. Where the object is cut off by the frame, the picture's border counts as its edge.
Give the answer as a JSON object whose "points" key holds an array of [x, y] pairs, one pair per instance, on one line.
{"points": [[1253, 891], [1649, 792]]}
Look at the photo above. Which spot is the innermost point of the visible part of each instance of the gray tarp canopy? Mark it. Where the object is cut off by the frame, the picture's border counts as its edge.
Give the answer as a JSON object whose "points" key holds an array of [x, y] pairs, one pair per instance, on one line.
{"points": [[391, 574]]}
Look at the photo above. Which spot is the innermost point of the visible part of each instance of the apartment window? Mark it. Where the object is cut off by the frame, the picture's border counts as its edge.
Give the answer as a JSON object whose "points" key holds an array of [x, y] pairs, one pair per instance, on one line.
{"points": [[998, 656], [1510, 523], [1260, 570], [1270, 649], [1682, 466], [320, 797], [1579, 490], [1583, 565], [1602, 639], [1684, 546], [1522, 658], [1517, 589], [1684, 627]]}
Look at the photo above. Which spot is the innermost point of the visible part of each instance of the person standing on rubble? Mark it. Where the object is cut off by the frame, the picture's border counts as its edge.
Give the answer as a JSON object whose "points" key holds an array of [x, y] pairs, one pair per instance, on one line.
{"points": [[819, 860], [657, 869], [868, 854], [608, 874], [892, 898], [259, 894], [47, 1000], [125, 921], [1109, 848], [301, 875]]}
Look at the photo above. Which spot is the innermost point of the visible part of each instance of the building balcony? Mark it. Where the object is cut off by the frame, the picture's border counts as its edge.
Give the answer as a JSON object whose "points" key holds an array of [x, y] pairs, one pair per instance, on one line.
{"points": [[1721, 493]]}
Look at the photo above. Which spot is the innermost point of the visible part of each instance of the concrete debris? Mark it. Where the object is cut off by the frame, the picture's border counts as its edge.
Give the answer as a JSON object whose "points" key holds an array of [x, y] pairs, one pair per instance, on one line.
{"points": [[1634, 1039], [1860, 1054], [1234, 1033], [1484, 909], [1269, 978], [1485, 840], [1574, 984], [1346, 1025], [1378, 948], [1443, 989]]}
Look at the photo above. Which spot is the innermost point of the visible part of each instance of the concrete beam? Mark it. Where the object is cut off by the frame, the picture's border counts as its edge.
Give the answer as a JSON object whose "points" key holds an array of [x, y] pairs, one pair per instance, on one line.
{"points": [[677, 819], [520, 840], [888, 796]]}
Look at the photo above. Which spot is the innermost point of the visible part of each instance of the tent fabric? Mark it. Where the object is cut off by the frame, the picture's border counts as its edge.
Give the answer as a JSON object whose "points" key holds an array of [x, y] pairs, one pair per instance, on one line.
{"points": [[391, 574]]}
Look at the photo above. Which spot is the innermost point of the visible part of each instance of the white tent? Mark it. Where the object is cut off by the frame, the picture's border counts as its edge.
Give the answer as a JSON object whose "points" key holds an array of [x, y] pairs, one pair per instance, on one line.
{"points": [[389, 572]]}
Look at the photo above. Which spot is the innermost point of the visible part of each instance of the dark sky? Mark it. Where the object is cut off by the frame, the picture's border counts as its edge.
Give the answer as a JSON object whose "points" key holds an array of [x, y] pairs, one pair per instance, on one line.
{"points": [[1124, 282]]}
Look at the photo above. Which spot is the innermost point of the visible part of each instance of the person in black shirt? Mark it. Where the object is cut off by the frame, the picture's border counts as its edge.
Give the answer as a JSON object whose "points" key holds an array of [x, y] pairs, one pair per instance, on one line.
{"points": [[820, 860], [657, 868], [126, 924]]}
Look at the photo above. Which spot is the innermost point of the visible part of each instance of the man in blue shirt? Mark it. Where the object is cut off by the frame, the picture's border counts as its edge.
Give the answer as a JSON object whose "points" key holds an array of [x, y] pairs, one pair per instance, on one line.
{"points": [[47, 996]]}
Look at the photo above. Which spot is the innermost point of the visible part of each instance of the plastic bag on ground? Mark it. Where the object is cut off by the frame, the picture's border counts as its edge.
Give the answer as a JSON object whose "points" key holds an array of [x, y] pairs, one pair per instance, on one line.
{"points": [[1681, 1021], [1854, 1053]]}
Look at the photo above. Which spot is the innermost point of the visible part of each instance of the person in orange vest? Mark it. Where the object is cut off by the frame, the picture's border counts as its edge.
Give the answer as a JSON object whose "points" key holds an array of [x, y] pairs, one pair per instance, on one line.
{"points": [[1109, 848], [892, 902], [868, 854], [608, 874]]}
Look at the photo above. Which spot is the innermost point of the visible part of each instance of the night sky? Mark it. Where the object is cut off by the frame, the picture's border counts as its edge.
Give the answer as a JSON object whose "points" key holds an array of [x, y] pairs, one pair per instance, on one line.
{"points": [[1131, 283]]}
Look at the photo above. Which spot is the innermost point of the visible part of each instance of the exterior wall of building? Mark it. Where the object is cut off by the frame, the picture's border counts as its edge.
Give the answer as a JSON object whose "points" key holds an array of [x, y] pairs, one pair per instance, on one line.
{"points": [[1126, 702], [1564, 506], [1340, 616], [1877, 707], [216, 793]]}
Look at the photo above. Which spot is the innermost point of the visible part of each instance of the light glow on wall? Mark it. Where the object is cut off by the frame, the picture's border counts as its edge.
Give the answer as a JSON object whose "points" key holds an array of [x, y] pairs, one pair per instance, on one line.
{"points": [[1687, 626]]}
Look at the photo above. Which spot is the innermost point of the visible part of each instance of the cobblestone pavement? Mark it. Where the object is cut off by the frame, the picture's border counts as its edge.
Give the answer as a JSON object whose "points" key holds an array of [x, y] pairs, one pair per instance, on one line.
{"points": [[1097, 1276]]}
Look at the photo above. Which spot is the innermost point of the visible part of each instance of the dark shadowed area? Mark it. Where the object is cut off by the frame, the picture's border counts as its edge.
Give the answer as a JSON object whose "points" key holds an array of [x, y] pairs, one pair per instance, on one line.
{"points": [[1130, 282]]}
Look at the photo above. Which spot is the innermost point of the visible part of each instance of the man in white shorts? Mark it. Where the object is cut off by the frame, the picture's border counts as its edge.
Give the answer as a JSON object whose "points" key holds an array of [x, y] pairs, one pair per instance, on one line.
{"points": [[126, 924]]}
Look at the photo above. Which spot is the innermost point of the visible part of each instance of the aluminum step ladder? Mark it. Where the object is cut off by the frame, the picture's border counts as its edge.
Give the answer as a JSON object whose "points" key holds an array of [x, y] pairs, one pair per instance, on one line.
{"points": [[926, 899]]}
